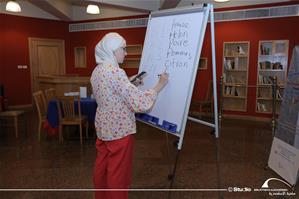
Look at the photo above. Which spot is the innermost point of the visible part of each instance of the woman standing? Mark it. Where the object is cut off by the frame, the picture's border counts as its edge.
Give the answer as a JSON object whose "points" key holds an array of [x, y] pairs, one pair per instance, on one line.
{"points": [[118, 100]]}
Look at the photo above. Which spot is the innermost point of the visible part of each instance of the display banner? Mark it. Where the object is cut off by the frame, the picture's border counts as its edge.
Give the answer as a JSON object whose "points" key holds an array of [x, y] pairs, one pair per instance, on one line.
{"points": [[284, 155], [284, 160]]}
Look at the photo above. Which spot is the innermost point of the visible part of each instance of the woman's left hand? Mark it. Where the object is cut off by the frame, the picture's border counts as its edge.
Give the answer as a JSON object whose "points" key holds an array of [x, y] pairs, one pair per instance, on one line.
{"points": [[137, 82]]}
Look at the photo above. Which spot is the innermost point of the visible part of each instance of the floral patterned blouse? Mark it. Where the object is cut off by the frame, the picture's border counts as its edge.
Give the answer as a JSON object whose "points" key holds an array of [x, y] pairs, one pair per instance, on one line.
{"points": [[117, 100]]}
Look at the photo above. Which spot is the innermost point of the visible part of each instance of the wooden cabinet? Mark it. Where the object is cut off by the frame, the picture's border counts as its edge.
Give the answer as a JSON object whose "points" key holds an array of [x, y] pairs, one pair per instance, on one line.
{"points": [[133, 57], [235, 75], [63, 84], [272, 62]]}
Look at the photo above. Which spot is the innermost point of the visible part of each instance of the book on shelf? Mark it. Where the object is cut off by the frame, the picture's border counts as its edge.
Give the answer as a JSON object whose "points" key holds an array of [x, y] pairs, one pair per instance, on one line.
{"points": [[230, 90], [236, 92], [261, 107], [224, 77], [277, 66], [240, 50], [278, 94], [266, 65], [262, 65], [227, 90], [258, 106], [264, 108], [265, 79], [260, 79], [236, 63], [264, 50], [227, 65]]}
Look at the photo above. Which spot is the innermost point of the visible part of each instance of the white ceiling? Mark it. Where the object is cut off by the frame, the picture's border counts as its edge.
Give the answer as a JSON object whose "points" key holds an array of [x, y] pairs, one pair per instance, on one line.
{"points": [[152, 5], [232, 3], [74, 10]]}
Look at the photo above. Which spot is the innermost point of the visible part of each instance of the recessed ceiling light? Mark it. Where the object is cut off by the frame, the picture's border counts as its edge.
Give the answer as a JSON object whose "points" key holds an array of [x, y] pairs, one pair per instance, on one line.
{"points": [[13, 6], [93, 9]]}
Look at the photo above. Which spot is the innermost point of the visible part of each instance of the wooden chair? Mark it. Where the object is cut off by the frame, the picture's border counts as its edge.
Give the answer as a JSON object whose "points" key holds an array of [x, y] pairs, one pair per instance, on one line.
{"points": [[50, 94], [204, 107], [41, 105], [11, 115], [68, 116]]}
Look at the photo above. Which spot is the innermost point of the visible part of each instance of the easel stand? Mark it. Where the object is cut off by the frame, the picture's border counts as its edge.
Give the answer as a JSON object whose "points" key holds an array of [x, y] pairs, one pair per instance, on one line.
{"points": [[214, 125]]}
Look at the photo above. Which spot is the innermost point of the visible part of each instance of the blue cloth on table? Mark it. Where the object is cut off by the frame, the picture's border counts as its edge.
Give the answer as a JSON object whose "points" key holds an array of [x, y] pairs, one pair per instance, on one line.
{"points": [[88, 108]]}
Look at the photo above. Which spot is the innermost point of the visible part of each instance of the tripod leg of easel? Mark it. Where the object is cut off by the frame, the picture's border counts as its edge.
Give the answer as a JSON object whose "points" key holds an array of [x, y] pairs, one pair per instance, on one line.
{"points": [[217, 151], [173, 173], [168, 157]]}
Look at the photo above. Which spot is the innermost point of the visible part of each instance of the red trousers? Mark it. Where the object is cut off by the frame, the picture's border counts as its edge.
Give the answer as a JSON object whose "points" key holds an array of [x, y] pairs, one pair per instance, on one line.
{"points": [[113, 167]]}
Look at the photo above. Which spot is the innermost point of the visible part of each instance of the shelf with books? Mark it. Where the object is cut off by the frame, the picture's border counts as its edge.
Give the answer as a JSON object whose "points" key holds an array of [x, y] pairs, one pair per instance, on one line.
{"points": [[135, 49], [237, 97], [132, 60], [131, 63], [272, 62], [232, 90], [236, 70], [234, 84], [265, 106], [235, 75]]}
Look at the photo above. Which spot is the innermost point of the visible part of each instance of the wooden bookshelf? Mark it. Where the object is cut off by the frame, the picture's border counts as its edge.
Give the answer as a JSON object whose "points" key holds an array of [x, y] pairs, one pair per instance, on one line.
{"points": [[272, 62], [132, 60], [235, 75], [131, 63], [134, 49]]}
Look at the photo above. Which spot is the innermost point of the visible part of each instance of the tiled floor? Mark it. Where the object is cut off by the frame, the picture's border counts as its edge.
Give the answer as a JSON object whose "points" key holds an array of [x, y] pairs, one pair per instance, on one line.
{"points": [[237, 159]]}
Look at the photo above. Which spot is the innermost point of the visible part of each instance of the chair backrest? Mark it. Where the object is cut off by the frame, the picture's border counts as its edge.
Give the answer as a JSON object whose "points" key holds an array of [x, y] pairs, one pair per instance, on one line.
{"points": [[69, 106], [41, 104], [50, 94]]}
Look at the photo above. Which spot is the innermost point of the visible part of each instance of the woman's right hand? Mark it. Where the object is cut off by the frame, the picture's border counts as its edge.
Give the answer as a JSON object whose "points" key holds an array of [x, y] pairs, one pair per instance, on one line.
{"points": [[163, 80]]}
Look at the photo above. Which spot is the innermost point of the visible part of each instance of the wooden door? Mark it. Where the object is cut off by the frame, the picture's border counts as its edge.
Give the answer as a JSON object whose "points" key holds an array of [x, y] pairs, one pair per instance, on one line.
{"points": [[47, 57]]}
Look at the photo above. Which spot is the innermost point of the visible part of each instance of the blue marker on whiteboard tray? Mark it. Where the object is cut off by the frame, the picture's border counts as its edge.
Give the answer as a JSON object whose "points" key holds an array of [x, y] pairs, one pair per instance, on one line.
{"points": [[169, 126], [147, 118]]}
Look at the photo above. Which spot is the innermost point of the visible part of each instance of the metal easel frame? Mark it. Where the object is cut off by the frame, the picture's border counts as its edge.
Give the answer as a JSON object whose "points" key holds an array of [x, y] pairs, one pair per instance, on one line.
{"points": [[214, 125]]}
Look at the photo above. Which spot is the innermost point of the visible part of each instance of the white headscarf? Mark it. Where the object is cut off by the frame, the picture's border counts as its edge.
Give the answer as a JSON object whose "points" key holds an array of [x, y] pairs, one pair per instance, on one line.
{"points": [[105, 48]]}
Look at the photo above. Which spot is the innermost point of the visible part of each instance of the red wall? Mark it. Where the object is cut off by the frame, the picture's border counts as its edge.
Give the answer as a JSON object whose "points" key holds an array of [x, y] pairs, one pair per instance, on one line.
{"points": [[14, 35], [16, 30], [1, 51], [253, 31], [91, 38], [249, 30]]}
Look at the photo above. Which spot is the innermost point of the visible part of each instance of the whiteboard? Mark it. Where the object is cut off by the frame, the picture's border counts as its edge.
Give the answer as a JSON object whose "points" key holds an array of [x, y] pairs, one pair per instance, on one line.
{"points": [[173, 44]]}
